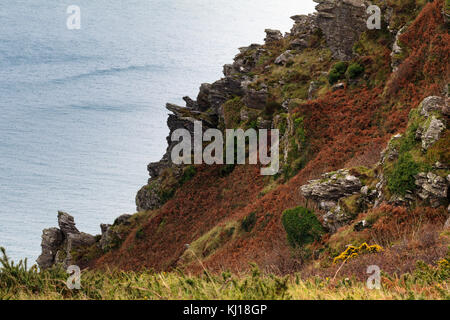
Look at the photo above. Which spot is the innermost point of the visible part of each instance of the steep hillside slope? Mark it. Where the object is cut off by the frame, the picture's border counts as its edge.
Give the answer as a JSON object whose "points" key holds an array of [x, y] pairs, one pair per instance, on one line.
{"points": [[338, 93]]}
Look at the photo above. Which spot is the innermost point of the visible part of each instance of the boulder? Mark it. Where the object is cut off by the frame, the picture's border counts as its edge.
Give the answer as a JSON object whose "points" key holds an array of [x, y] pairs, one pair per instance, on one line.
{"points": [[283, 58]]}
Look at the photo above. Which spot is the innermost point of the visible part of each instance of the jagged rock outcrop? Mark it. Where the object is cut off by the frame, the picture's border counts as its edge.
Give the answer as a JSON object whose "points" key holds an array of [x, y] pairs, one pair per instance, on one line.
{"points": [[431, 133], [256, 99], [342, 23], [329, 193], [67, 224], [397, 51], [212, 96], [52, 240], [332, 187], [272, 35], [431, 104], [245, 61], [432, 188], [58, 244]]}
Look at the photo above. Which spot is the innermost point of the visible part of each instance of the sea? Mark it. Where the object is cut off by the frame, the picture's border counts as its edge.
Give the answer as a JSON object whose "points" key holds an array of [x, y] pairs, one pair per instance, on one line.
{"points": [[82, 111]]}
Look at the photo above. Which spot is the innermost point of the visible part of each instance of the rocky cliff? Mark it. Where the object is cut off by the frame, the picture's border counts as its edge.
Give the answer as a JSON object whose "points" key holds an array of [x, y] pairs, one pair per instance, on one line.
{"points": [[363, 121]]}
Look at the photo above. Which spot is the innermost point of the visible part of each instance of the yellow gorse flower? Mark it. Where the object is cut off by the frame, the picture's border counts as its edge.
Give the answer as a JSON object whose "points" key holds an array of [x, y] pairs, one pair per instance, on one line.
{"points": [[353, 252]]}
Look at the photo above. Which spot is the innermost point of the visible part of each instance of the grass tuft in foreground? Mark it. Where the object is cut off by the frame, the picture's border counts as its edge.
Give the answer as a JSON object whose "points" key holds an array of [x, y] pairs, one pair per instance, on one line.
{"points": [[18, 282]]}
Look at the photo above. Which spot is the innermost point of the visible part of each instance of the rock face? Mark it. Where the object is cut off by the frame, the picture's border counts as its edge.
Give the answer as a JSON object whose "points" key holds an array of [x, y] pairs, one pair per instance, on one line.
{"points": [[432, 103], [342, 22], [57, 244], [397, 51], [52, 240], [67, 224], [332, 187], [273, 35], [432, 133], [432, 188]]}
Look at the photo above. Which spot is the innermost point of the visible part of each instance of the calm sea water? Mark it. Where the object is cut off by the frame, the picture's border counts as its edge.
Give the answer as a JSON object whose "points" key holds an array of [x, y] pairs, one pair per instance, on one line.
{"points": [[82, 111]]}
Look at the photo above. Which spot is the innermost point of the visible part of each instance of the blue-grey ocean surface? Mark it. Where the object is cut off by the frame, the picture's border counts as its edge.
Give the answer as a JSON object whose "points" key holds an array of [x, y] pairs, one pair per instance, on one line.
{"points": [[82, 111]]}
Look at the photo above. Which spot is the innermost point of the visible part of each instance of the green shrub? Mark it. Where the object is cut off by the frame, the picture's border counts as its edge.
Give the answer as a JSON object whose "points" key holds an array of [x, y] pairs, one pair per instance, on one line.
{"points": [[226, 169], [354, 70], [188, 173], [341, 67], [140, 234], [302, 226], [337, 72], [271, 108], [249, 222], [333, 77], [401, 178]]}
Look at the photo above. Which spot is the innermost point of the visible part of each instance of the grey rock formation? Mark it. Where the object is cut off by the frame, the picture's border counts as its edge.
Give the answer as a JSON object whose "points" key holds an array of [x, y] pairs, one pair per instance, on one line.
{"points": [[397, 50], [66, 223], [304, 26], [342, 23], [283, 58], [212, 96], [336, 218], [431, 104], [57, 244], [244, 61], [433, 133], [256, 99], [79, 240], [432, 188], [272, 35], [52, 240], [332, 187]]}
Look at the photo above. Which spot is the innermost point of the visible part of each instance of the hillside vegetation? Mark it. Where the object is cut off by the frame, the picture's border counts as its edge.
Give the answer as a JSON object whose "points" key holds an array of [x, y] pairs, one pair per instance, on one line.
{"points": [[364, 177]]}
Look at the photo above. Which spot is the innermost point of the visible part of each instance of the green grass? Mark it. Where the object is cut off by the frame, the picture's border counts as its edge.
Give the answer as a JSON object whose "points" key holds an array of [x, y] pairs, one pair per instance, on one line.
{"points": [[18, 282]]}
